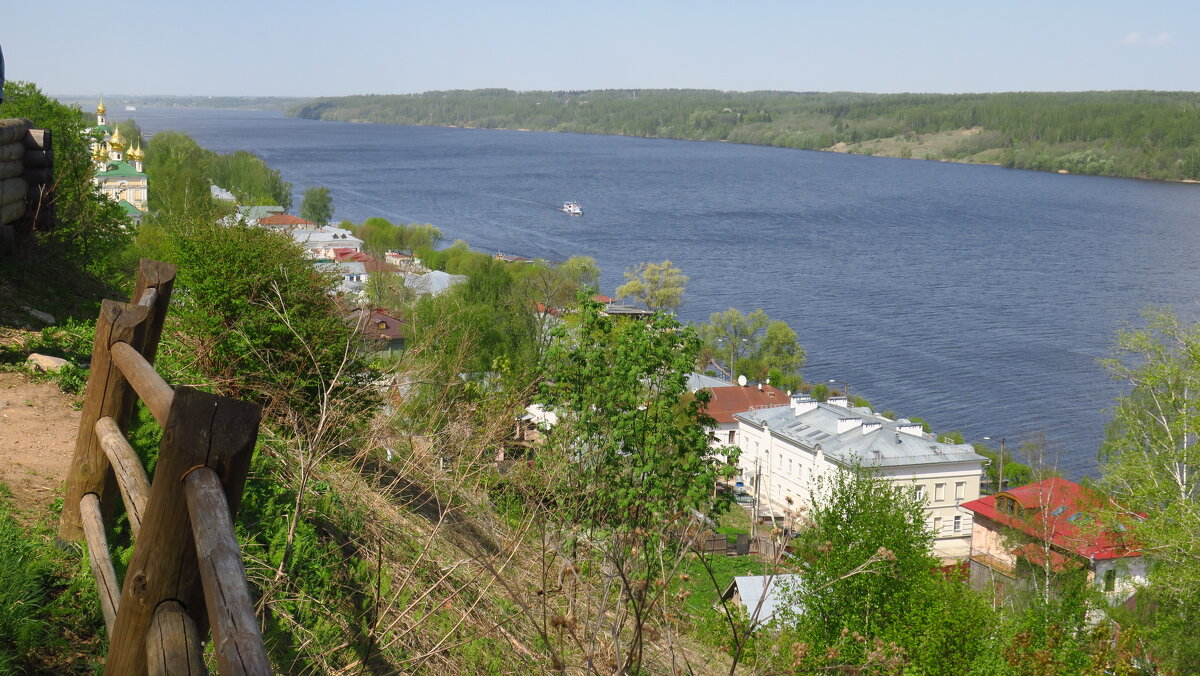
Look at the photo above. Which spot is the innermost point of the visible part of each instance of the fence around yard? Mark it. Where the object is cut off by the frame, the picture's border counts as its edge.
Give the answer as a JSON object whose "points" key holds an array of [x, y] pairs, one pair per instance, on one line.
{"points": [[186, 570]]}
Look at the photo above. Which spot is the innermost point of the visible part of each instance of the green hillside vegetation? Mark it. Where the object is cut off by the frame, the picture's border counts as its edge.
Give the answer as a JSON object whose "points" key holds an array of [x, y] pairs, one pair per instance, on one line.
{"points": [[394, 523], [1142, 134]]}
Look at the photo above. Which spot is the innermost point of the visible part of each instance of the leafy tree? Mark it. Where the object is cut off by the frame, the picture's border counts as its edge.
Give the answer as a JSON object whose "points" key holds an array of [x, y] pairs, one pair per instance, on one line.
{"points": [[637, 441], [178, 172], [659, 286], [756, 345], [1151, 464], [865, 551], [249, 178], [317, 205], [582, 270]]}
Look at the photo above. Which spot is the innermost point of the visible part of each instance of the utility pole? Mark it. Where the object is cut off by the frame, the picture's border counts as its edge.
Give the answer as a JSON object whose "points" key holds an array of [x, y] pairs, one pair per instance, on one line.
{"points": [[1000, 487]]}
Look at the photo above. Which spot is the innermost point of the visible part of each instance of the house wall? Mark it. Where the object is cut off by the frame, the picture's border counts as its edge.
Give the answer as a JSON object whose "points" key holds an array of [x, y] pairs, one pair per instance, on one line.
{"points": [[775, 469], [1130, 574]]}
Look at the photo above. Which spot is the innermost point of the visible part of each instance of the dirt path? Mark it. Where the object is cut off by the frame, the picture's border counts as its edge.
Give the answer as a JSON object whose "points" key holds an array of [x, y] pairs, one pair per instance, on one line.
{"points": [[38, 424]]}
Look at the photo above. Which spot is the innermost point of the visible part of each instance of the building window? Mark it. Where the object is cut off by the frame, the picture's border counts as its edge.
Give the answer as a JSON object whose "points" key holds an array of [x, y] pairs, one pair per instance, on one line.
{"points": [[789, 465], [939, 492], [1110, 580], [958, 524], [919, 490], [937, 526], [960, 490], [731, 433]]}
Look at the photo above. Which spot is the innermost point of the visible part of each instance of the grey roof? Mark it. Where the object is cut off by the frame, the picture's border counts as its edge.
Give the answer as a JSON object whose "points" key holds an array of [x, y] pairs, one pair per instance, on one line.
{"points": [[883, 446], [219, 193], [433, 283], [327, 237], [699, 381], [750, 589], [253, 213]]}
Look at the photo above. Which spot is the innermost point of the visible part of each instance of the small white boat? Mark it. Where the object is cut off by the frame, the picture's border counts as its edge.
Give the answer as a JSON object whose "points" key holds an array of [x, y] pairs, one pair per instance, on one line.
{"points": [[572, 208], [130, 109]]}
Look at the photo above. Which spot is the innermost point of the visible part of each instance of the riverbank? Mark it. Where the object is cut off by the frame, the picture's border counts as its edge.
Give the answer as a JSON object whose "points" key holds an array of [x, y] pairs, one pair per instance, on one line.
{"points": [[1128, 134]]}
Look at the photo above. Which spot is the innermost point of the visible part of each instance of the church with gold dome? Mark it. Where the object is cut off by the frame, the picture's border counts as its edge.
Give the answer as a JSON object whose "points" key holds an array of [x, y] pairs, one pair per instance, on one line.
{"points": [[119, 172]]}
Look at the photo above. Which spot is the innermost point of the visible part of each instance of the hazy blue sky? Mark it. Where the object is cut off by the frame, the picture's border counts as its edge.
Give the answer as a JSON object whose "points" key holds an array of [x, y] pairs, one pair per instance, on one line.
{"points": [[309, 48]]}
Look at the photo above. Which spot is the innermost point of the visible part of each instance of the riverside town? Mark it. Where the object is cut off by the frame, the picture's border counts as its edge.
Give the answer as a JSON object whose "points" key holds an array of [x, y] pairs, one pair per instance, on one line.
{"points": [[296, 379]]}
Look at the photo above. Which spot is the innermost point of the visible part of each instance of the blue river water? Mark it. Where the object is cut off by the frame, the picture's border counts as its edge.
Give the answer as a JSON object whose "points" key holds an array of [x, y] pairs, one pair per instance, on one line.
{"points": [[976, 297]]}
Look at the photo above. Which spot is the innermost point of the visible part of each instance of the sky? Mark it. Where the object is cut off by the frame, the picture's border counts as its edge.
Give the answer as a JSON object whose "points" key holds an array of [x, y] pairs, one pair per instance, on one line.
{"points": [[307, 48]]}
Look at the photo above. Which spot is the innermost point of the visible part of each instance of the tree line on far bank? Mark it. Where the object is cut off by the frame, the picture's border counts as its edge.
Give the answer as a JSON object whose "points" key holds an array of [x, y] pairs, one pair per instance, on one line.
{"points": [[1143, 134]]}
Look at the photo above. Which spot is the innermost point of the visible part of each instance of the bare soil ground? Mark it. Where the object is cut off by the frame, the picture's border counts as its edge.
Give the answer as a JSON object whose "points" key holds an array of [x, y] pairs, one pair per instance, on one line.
{"points": [[38, 423]]}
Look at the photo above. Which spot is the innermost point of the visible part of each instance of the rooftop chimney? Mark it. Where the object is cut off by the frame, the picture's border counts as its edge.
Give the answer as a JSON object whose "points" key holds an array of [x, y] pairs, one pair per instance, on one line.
{"points": [[867, 428], [847, 424], [838, 401], [911, 428], [802, 404]]}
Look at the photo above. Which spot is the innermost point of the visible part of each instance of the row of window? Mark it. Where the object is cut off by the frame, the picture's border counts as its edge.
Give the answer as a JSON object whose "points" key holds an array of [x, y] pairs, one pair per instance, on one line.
{"points": [[939, 491]]}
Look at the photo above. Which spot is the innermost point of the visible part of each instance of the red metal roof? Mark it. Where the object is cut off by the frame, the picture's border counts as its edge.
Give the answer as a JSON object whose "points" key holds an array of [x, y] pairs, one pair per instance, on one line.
{"points": [[726, 401], [344, 255], [1063, 512]]}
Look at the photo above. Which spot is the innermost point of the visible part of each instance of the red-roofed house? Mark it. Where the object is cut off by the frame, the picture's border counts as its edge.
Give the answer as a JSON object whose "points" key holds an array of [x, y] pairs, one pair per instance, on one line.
{"points": [[385, 332], [725, 401], [1054, 520]]}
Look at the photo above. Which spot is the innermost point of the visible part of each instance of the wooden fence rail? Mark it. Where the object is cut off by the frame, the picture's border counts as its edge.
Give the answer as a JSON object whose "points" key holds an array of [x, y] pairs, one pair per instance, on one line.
{"points": [[186, 568]]}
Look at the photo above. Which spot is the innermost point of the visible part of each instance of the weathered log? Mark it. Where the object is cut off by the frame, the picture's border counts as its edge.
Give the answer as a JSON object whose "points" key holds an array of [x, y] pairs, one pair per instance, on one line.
{"points": [[37, 139], [100, 558], [109, 395], [236, 635], [161, 277], [38, 176], [131, 476], [38, 159], [12, 151], [202, 430], [9, 213], [13, 190], [173, 645], [11, 168], [13, 130], [156, 394]]}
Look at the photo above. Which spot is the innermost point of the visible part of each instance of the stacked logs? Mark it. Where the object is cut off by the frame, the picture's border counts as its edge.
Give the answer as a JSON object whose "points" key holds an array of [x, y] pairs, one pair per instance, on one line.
{"points": [[26, 182]]}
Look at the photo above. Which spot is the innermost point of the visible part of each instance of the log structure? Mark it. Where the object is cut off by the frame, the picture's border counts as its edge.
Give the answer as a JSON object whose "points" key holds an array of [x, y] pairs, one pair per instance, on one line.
{"points": [[26, 182], [186, 571]]}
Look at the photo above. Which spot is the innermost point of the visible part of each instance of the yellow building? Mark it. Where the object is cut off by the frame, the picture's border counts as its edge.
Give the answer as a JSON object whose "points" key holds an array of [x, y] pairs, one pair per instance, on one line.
{"points": [[119, 173]]}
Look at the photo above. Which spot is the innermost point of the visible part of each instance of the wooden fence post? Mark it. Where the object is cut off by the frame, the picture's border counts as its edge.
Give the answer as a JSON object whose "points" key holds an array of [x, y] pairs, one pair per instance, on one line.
{"points": [[202, 430], [160, 277], [109, 395]]}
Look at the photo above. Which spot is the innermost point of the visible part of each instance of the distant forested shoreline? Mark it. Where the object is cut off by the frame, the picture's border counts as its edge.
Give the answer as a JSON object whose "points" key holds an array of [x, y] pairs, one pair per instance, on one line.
{"points": [[1135, 134]]}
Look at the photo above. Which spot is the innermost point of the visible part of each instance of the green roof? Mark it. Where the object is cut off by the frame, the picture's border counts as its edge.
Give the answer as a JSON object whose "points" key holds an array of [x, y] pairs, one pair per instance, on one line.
{"points": [[103, 127], [119, 169], [130, 210]]}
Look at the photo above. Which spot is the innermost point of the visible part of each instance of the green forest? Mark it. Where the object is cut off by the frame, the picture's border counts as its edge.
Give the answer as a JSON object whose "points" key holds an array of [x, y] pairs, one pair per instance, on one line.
{"points": [[1138, 134]]}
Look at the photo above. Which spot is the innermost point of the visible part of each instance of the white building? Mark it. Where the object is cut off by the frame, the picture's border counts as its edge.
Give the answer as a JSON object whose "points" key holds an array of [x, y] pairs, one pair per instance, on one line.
{"points": [[324, 241], [785, 449]]}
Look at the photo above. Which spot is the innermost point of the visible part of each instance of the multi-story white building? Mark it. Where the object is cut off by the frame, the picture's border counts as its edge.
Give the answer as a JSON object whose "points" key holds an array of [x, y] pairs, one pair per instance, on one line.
{"points": [[786, 449]]}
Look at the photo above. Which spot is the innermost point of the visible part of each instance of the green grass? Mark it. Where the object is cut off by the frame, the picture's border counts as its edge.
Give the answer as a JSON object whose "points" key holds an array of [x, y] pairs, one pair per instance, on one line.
{"points": [[49, 612]]}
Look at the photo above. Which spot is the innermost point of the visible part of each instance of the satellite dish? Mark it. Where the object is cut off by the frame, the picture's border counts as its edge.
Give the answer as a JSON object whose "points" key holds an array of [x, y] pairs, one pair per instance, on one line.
{"points": [[742, 380]]}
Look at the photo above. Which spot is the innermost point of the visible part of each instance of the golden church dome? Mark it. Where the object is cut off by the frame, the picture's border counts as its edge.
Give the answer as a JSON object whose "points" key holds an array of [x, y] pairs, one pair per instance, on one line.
{"points": [[136, 153], [101, 109], [117, 142]]}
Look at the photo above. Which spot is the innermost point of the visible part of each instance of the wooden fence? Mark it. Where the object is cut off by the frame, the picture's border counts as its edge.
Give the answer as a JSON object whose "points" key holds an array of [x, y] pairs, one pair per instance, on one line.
{"points": [[186, 570]]}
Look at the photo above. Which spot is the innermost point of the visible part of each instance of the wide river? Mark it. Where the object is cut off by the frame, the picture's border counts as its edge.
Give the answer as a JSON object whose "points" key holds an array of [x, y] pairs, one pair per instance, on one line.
{"points": [[976, 297]]}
